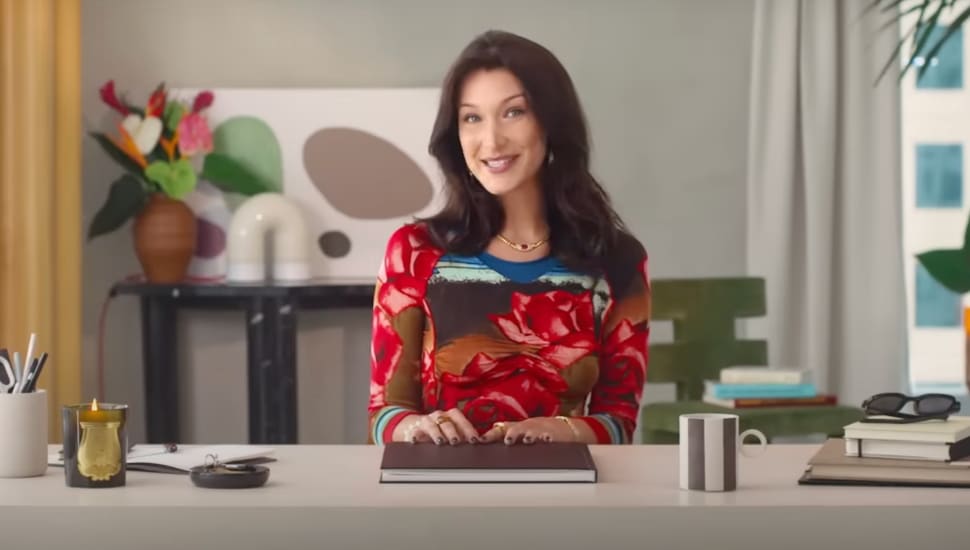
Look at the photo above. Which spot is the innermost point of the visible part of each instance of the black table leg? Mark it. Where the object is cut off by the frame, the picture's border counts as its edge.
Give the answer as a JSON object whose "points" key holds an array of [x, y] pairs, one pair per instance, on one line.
{"points": [[258, 369], [271, 345], [161, 370], [283, 392]]}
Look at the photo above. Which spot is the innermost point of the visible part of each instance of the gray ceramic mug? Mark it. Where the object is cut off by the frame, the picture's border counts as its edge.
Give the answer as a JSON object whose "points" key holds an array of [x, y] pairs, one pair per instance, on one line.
{"points": [[709, 448]]}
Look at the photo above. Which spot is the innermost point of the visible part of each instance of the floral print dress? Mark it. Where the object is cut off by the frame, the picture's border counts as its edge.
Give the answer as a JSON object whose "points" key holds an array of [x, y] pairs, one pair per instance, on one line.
{"points": [[453, 332]]}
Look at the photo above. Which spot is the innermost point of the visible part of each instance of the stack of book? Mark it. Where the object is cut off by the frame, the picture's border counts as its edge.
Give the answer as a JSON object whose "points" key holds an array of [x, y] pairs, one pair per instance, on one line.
{"points": [[930, 453], [747, 387]]}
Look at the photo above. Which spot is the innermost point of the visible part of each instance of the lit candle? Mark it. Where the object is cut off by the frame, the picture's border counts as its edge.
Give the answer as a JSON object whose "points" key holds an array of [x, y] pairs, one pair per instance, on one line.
{"points": [[95, 444]]}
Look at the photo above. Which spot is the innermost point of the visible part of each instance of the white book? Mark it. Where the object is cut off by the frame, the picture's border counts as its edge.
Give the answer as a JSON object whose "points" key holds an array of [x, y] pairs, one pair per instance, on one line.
{"points": [[950, 430], [763, 375], [910, 450]]}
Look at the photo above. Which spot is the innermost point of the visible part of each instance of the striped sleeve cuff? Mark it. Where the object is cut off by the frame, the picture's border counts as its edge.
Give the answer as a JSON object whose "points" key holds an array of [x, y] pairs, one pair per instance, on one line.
{"points": [[608, 431], [386, 419]]}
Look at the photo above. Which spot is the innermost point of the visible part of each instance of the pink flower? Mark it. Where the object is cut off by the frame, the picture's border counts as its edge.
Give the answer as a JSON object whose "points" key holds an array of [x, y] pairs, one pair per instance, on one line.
{"points": [[194, 135]]}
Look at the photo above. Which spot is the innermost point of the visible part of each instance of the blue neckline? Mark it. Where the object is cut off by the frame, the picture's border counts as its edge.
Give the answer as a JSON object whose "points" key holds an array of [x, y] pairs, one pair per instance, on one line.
{"points": [[520, 272]]}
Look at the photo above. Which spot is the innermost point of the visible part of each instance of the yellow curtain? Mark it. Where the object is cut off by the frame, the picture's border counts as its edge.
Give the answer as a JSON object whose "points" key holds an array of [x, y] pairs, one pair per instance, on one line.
{"points": [[40, 198]]}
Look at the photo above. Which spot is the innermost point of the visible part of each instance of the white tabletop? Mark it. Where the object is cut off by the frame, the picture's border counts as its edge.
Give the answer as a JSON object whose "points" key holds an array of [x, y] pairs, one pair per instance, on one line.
{"points": [[332, 491]]}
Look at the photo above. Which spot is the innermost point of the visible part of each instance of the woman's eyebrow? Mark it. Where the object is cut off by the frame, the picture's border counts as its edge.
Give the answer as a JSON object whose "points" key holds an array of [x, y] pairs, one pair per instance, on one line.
{"points": [[506, 100]]}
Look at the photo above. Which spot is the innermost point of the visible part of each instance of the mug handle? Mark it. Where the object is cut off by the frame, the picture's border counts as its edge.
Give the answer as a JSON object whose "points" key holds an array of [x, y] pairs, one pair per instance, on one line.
{"points": [[761, 439]]}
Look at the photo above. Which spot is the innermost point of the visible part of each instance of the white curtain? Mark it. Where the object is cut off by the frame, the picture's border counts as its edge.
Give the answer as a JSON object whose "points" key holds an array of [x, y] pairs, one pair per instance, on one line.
{"points": [[824, 214]]}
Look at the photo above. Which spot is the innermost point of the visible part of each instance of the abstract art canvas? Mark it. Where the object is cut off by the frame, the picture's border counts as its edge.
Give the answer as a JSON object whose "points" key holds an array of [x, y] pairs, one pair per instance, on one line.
{"points": [[356, 160]]}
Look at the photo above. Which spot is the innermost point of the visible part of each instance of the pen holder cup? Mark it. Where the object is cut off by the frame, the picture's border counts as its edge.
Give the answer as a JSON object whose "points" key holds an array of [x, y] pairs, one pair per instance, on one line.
{"points": [[23, 434]]}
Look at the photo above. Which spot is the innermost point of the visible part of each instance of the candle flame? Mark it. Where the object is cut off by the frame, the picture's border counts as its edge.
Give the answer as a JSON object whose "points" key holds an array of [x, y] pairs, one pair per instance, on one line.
{"points": [[94, 404]]}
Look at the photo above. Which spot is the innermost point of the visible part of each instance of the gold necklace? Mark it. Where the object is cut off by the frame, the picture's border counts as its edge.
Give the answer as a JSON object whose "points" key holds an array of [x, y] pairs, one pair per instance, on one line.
{"points": [[523, 247]]}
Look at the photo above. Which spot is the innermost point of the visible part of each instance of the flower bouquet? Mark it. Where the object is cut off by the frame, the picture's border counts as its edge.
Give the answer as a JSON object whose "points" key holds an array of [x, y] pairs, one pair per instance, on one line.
{"points": [[164, 147]]}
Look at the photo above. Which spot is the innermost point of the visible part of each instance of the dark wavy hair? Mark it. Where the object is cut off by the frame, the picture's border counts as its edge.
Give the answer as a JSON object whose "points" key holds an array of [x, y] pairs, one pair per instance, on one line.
{"points": [[584, 227]]}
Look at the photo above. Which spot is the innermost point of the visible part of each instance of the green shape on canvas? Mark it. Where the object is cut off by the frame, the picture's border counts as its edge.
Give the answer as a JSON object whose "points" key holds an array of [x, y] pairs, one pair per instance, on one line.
{"points": [[253, 145]]}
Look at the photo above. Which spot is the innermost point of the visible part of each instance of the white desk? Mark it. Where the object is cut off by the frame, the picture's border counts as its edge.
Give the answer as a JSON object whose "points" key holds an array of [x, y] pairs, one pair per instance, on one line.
{"points": [[329, 497]]}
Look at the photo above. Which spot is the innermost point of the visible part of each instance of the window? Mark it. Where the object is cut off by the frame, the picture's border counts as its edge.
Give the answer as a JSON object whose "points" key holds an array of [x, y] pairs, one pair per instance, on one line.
{"points": [[935, 136]]}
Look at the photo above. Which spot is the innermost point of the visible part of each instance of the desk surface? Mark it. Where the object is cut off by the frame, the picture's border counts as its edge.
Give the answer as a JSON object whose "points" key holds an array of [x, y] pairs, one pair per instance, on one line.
{"points": [[321, 492]]}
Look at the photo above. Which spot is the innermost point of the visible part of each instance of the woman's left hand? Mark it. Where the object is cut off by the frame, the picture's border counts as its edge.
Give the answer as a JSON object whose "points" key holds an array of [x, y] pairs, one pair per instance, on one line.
{"points": [[541, 429]]}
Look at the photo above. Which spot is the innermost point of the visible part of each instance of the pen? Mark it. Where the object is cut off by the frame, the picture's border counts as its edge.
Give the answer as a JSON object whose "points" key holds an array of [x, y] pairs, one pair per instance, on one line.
{"points": [[29, 376], [40, 361]]}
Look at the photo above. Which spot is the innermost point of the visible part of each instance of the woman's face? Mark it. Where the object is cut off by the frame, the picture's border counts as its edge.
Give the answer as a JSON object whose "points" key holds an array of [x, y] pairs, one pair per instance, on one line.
{"points": [[503, 145]]}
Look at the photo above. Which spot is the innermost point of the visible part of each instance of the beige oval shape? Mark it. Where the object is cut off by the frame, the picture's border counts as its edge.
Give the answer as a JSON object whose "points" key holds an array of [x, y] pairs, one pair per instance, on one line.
{"points": [[365, 176]]}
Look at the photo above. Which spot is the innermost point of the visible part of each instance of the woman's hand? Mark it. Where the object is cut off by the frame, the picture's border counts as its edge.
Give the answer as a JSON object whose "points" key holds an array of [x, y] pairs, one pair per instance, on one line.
{"points": [[438, 427], [541, 429]]}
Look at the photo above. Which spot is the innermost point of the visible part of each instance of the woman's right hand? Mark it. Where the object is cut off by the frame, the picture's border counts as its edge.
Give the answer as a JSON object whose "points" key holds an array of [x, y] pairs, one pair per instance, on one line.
{"points": [[439, 427]]}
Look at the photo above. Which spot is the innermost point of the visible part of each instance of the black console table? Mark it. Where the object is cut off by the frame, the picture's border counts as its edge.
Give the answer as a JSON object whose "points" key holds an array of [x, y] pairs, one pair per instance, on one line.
{"points": [[271, 326]]}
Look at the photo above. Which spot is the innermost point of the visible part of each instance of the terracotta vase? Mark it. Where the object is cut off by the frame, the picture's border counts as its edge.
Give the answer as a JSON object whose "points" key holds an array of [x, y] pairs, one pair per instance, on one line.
{"points": [[165, 239]]}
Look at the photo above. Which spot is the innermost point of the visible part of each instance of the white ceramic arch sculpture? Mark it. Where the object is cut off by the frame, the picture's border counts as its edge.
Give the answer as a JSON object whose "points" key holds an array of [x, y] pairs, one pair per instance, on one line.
{"points": [[245, 249]]}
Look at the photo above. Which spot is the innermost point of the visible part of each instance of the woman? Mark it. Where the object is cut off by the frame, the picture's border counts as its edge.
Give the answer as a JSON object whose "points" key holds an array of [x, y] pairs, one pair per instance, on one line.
{"points": [[519, 313]]}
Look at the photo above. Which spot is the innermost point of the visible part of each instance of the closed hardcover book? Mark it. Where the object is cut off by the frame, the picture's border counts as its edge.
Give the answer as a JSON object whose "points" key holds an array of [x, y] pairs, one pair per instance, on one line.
{"points": [[761, 402], [762, 375], [950, 430], [744, 391], [491, 463]]}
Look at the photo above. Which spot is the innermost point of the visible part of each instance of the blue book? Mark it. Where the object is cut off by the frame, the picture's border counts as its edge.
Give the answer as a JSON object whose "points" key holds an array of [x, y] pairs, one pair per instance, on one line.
{"points": [[742, 391]]}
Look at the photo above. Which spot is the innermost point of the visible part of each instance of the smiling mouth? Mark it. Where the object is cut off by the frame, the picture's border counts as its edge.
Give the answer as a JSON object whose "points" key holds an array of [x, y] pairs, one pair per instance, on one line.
{"points": [[498, 165]]}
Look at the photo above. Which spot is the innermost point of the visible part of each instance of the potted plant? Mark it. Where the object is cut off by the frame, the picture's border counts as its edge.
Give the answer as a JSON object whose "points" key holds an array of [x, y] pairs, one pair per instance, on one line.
{"points": [[160, 147]]}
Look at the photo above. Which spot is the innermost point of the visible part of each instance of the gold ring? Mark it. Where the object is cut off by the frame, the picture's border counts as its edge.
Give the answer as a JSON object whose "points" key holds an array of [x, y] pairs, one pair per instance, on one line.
{"points": [[500, 425], [442, 420]]}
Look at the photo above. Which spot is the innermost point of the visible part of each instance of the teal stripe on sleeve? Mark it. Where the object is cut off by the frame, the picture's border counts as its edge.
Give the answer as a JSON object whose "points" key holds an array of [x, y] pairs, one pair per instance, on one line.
{"points": [[383, 418]]}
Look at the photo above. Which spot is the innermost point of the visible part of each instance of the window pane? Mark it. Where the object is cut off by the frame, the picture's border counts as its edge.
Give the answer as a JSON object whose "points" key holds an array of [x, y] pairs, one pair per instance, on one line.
{"points": [[946, 67], [939, 176], [936, 306]]}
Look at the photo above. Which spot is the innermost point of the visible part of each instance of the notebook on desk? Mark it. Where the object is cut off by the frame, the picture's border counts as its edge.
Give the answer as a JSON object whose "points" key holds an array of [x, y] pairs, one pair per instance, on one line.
{"points": [[493, 463], [154, 458]]}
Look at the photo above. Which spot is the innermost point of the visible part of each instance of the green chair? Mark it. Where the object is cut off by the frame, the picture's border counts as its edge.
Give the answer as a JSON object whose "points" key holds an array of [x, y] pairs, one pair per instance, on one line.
{"points": [[703, 312]]}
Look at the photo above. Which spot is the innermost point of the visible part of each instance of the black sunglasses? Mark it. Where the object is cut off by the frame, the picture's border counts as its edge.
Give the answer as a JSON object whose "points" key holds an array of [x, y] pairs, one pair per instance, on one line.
{"points": [[928, 406]]}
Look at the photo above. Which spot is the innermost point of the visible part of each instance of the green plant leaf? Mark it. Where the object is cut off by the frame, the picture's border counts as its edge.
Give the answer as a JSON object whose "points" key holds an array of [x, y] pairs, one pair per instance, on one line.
{"points": [[893, 58], [125, 199], [923, 33], [176, 178], [174, 112], [951, 268], [116, 153], [966, 239], [229, 175]]}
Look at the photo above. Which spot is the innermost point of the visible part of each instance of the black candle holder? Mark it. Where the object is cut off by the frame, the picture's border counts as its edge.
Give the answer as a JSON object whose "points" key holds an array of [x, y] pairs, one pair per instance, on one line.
{"points": [[95, 445]]}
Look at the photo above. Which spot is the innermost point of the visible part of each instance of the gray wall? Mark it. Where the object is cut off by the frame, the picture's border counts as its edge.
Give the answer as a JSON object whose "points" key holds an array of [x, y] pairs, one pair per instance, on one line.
{"points": [[664, 84]]}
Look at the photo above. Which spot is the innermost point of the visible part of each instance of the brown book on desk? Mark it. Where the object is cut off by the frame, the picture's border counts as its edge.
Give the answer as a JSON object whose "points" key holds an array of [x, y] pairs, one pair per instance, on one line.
{"points": [[492, 463], [830, 466]]}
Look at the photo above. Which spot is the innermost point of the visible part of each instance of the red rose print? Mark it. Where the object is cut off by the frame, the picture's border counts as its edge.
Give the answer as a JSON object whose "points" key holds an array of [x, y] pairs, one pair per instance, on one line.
{"points": [[558, 324]]}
